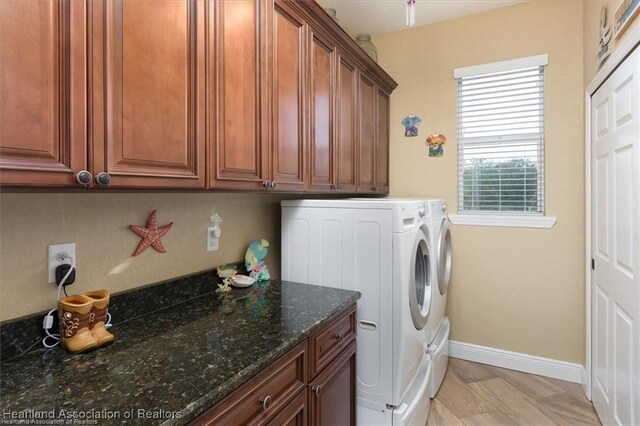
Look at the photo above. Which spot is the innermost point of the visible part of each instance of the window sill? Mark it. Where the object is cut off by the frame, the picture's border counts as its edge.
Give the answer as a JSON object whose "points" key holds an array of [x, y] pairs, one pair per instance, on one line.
{"points": [[509, 221]]}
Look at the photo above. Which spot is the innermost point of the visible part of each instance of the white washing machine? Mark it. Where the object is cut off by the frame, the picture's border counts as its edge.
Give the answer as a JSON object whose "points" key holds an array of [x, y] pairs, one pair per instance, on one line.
{"points": [[383, 249], [438, 326]]}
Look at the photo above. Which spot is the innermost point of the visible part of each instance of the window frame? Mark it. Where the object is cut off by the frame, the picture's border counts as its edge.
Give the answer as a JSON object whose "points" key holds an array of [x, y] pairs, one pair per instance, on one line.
{"points": [[502, 218]]}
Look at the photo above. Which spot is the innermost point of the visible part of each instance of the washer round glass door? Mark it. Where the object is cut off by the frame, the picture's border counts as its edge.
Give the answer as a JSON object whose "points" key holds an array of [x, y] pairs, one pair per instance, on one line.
{"points": [[444, 257], [420, 281]]}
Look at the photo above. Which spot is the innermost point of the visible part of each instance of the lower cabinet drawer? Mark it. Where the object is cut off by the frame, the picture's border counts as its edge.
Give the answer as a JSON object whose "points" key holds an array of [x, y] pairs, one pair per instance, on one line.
{"points": [[327, 343], [264, 396]]}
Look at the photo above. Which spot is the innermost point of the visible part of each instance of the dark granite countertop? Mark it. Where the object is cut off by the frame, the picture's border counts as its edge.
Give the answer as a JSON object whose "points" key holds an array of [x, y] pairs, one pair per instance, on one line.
{"points": [[171, 365]]}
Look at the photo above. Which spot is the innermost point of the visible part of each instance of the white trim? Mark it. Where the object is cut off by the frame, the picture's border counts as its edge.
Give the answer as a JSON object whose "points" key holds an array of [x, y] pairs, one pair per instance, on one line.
{"points": [[512, 64], [509, 221], [532, 364], [624, 49], [587, 242]]}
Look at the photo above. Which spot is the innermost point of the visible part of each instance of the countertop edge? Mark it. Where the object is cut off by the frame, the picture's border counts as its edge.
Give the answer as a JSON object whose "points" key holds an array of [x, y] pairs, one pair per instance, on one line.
{"points": [[194, 409]]}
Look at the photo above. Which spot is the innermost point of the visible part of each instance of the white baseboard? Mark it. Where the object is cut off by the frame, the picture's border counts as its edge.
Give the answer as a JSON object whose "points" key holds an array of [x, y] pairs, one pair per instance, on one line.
{"points": [[546, 367]]}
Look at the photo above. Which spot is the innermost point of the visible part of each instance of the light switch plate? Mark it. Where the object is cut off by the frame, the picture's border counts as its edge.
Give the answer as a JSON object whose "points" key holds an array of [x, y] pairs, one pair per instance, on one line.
{"points": [[54, 262]]}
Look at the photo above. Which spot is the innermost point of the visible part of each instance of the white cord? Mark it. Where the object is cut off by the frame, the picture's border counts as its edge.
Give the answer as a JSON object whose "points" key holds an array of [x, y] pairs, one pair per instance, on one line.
{"points": [[55, 337], [48, 319]]}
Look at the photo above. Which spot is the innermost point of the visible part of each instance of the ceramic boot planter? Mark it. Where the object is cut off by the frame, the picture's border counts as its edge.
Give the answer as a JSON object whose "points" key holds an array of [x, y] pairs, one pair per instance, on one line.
{"points": [[98, 316], [75, 313]]}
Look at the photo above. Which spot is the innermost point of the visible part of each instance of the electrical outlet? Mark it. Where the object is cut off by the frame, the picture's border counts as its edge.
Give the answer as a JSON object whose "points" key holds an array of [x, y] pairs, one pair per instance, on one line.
{"points": [[56, 258], [212, 240]]}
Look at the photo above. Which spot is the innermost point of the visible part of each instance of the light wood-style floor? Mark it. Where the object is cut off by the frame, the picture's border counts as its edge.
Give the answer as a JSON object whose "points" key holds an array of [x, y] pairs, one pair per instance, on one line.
{"points": [[478, 394]]}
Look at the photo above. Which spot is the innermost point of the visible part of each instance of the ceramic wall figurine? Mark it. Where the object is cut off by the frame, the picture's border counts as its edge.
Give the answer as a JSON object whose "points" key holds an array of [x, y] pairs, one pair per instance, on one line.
{"points": [[435, 142], [411, 123]]}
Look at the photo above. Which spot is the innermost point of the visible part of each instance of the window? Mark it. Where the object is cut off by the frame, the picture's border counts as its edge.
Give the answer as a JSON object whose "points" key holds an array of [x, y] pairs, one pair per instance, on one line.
{"points": [[501, 138]]}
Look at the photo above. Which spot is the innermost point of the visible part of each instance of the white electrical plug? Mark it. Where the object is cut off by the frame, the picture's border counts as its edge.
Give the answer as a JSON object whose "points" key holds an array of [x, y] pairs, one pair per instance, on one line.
{"points": [[214, 232]]}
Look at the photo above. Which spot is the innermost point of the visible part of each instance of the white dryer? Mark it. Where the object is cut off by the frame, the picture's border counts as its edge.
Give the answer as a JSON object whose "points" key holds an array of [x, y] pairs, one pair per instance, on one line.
{"points": [[438, 326], [383, 249]]}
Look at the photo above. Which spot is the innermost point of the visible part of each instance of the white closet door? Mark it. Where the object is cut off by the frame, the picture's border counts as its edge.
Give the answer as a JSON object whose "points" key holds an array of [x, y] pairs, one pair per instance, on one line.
{"points": [[615, 147]]}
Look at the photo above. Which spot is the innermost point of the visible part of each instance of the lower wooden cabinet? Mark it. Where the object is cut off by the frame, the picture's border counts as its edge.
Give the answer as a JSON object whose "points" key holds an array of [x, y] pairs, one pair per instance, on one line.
{"points": [[264, 396], [332, 394], [314, 386]]}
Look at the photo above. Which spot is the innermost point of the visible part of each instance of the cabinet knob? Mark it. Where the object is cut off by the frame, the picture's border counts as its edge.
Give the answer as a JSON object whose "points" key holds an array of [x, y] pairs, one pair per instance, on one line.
{"points": [[83, 177], [373, 188], [317, 389], [266, 184], [338, 336], [103, 178], [273, 184], [334, 187], [266, 401]]}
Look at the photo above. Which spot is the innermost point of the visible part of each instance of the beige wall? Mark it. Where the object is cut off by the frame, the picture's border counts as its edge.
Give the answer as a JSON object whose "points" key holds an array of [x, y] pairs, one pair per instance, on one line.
{"points": [[591, 37], [515, 289], [99, 225]]}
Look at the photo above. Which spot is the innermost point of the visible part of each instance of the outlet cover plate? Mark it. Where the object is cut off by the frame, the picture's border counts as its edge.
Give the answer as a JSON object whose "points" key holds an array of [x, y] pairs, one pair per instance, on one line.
{"points": [[53, 262], [212, 240]]}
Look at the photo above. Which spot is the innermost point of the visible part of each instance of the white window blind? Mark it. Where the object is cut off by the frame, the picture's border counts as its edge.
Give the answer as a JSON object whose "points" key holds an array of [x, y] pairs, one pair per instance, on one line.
{"points": [[501, 137]]}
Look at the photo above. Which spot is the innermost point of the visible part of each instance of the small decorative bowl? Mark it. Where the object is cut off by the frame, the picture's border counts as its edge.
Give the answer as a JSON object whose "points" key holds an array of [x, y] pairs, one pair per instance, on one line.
{"points": [[242, 281]]}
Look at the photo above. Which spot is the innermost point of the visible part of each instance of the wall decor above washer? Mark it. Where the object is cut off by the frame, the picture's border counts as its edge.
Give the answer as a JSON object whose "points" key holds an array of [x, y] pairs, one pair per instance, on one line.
{"points": [[411, 123]]}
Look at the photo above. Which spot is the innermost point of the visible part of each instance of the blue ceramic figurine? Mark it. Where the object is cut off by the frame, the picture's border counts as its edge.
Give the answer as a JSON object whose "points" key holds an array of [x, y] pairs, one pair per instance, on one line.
{"points": [[254, 260]]}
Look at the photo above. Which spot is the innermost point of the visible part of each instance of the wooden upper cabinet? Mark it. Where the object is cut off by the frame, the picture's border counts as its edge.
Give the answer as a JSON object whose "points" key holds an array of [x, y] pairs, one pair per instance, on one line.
{"points": [[149, 92], [42, 92], [366, 134], [288, 163], [322, 66], [238, 151], [346, 148], [382, 142]]}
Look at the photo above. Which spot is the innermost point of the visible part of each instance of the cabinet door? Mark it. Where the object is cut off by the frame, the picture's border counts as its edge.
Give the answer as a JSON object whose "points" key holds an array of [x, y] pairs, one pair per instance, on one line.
{"points": [[288, 124], [366, 134], [332, 394], [322, 58], [42, 92], [237, 154], [382, 142], [149, 92], [346, 149], [294, 414]]}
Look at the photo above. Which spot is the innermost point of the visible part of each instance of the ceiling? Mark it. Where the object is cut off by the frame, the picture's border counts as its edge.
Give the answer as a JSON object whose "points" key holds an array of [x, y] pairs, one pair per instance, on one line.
{"points": [[385, 16]]}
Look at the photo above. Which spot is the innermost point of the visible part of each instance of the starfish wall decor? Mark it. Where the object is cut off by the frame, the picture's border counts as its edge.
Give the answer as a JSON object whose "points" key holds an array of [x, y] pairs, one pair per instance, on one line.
{"points": [[150, 234]]}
